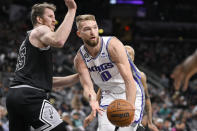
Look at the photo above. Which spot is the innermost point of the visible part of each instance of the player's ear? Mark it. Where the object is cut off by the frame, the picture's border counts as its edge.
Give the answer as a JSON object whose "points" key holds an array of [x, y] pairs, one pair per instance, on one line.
{"points": [[39, 20], [78, 33]]}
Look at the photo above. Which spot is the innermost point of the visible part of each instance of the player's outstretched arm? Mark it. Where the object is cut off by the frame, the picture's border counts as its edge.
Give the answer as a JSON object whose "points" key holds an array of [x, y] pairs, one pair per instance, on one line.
{"points": [[91, 117], [148, 106], [119, 57], [184, 71], [58, 38], [87, 84], [66, 81]]}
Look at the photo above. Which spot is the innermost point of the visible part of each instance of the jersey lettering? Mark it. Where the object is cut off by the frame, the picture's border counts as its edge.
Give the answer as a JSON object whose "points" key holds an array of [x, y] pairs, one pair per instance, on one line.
{"points": [[100, 68], [21, 57]]}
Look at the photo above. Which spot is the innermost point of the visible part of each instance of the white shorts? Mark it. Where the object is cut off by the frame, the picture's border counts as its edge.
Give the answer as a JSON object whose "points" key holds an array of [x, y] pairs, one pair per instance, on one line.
{"points": [[105, 125], [107, 97]]}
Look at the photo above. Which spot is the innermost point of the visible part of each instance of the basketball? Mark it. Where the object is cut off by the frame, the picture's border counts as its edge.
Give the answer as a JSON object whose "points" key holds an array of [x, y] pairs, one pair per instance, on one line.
{"points": [[120, 113]]}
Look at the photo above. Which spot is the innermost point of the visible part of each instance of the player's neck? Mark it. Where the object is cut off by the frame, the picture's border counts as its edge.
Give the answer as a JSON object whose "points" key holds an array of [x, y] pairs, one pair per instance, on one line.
{"points": [[37, 25]]}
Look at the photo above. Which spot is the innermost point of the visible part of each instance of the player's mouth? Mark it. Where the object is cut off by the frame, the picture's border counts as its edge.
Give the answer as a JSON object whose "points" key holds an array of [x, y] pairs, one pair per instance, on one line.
{"points": [[93, 38]]}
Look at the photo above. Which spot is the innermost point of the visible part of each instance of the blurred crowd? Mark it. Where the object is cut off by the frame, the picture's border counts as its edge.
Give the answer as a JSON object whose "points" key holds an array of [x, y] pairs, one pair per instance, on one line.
{"points": [[172, 111]]}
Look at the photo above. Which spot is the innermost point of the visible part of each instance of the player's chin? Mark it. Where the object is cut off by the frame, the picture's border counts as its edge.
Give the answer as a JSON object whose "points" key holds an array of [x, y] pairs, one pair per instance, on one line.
{"points": [[52, 30], [92, 41]]}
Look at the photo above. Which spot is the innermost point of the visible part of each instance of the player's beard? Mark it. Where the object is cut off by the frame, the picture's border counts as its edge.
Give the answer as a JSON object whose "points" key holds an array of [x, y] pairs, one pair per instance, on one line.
{"points": [[92, 43]]}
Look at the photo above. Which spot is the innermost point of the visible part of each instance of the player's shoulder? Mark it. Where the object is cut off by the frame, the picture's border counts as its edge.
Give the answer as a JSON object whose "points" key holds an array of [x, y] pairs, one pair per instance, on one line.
{"points": [[78, 56], [143, 75], [40, 30], [114, 39], [114, 43], [79, 62]]}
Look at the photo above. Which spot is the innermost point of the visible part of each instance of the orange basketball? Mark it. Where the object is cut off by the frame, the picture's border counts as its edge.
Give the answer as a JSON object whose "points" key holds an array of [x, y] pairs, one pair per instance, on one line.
{"points": [[120, 113]]}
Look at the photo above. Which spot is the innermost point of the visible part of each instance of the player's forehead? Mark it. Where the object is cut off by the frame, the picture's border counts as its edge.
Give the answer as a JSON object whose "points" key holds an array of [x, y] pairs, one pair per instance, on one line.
{"points": [[88, 23], [48, 11]]}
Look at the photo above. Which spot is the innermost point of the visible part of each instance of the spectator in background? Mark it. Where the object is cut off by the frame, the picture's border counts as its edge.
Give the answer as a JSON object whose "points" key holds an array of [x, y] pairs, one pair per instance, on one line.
{"points": [[3, 119], [164, 80], [77, 107], [159, 123], [164, 111], [193, 123], [67, 119], [64, 107], [167, 125], [77, 122]]}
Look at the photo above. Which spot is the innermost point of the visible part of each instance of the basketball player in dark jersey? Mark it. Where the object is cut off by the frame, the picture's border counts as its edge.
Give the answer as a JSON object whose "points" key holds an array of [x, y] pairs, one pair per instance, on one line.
{"points": [[27, 102]]}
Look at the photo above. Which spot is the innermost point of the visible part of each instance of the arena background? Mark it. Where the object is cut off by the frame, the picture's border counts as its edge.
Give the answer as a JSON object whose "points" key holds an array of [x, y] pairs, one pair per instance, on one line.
{"points": [[162, 32]]}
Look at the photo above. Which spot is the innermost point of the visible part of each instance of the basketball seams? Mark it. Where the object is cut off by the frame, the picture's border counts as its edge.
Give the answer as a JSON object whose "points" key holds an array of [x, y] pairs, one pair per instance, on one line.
{"points": [[123, 110]]}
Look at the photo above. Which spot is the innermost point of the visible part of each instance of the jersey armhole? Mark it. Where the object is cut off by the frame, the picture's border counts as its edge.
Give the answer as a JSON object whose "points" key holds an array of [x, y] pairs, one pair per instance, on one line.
{"points": [[107, 45], [83, 57], [41, 49]]}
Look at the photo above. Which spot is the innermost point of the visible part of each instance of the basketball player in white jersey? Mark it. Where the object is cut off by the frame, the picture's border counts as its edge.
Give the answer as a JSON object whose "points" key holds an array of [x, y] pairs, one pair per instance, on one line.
{"points": [[148, 107], [103, 60]]}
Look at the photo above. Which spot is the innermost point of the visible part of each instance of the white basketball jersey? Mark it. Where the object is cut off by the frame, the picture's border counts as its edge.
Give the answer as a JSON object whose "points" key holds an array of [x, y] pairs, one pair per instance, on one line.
{"points": [[105, 74], [102, 70]]}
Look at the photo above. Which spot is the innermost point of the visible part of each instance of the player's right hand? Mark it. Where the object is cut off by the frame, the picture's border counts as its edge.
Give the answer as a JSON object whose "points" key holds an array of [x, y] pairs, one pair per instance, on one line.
{"points": [[96, 108], [70, 4]]}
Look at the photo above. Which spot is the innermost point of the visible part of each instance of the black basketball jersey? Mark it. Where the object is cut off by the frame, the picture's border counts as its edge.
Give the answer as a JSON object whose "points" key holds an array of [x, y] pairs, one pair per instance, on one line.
{"points": [[34, 66]]}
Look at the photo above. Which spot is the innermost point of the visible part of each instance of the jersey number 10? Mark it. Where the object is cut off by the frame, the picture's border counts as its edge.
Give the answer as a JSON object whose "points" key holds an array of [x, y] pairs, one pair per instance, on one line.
{"points": [[105, 75]]}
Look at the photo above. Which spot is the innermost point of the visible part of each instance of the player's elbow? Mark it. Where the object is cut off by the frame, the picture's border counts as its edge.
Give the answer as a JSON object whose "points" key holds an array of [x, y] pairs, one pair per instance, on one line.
{"points": [[86, 96], [59, 43], [133, 87]]}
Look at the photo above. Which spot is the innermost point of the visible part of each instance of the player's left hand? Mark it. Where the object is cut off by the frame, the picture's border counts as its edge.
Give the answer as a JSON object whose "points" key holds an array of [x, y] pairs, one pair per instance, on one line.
{"points": [[152, 127], [88, 120], [70, 4], [133, 107]]}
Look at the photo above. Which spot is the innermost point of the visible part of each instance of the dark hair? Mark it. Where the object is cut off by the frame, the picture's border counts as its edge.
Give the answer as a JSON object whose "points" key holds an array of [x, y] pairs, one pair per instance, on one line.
{"points": [[38, 10]]}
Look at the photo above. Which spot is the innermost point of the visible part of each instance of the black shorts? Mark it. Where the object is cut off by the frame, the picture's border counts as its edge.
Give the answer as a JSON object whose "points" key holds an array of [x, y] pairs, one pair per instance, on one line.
{"points": [[29, 107]]}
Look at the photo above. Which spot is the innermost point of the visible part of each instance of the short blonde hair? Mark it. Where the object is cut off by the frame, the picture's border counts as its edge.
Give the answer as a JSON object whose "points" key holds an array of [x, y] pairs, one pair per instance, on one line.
{"points": [[81, 18]]}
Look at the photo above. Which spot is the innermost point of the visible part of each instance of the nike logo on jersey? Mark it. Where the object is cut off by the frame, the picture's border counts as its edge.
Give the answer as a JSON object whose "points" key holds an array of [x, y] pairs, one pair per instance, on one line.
{"points": [[89, 60], [103, 55]]}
